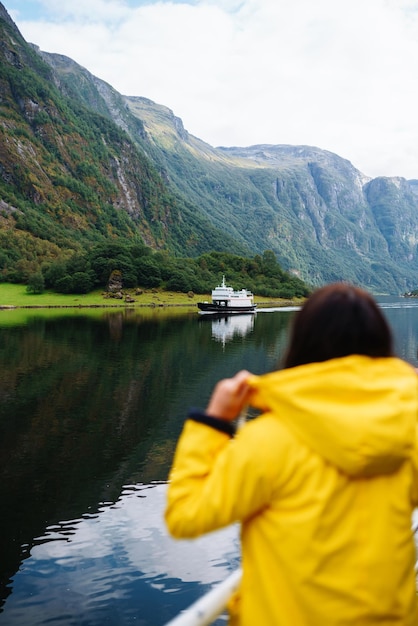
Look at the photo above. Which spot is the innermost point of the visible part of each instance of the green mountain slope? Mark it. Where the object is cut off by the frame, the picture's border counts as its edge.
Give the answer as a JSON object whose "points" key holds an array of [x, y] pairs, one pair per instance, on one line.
{"points": [[317, 212], [71, 177], [311, 207]]}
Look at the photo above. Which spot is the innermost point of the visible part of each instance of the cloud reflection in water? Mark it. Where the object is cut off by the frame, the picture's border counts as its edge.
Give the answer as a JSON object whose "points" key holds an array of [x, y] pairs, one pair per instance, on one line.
{"points": [[118, 567]]}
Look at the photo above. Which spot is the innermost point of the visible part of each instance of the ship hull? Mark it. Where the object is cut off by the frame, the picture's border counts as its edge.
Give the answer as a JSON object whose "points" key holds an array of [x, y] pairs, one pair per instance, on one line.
{"points": [[207, 307]]}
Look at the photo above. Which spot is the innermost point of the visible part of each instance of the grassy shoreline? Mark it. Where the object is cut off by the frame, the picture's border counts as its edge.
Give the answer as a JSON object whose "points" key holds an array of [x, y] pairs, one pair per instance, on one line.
{"points": [[15, 296]]}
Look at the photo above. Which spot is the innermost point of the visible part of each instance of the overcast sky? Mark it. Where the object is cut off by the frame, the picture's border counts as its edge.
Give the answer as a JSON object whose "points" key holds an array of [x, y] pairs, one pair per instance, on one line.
{"points": [[341, 75]]}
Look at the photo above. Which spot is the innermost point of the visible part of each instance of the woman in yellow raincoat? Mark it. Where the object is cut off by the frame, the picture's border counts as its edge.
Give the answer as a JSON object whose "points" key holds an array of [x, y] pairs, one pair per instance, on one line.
{"points": [[324, 481]]}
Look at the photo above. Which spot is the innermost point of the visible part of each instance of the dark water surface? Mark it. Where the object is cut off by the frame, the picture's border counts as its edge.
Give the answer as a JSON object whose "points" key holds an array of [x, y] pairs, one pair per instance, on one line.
{"points": [[91, 407]]}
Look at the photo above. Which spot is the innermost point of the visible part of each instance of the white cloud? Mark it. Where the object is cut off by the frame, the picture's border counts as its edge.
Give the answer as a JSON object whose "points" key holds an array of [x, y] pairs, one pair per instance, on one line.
{"points": [[339, 75]]}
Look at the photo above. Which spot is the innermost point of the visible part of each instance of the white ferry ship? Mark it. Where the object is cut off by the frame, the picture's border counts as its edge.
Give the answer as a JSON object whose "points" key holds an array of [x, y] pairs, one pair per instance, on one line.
{"points": [[226, 300]]}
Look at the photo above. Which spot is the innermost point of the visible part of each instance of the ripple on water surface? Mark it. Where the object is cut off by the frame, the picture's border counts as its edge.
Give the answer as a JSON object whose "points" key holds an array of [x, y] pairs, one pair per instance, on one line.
{"points": [[117, 567]]}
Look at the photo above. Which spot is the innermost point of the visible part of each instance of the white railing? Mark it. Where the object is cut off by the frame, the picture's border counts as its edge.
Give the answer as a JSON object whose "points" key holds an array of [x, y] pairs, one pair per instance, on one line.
{"points": [[205, 610]]}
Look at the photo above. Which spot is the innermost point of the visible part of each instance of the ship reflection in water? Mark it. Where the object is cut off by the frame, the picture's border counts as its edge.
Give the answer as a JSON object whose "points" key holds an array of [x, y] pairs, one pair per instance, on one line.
{"points": [[227, 327]]}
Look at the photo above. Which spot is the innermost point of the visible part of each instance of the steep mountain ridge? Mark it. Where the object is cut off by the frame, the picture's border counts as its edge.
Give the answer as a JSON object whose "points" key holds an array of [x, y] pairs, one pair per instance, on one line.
{"points": [[276, 195], [79, 161], [314, 209], [70, 177]]}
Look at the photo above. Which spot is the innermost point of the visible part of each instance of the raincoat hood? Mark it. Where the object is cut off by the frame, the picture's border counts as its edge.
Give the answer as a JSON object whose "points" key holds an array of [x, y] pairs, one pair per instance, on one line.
{"points": [[357, 412]]}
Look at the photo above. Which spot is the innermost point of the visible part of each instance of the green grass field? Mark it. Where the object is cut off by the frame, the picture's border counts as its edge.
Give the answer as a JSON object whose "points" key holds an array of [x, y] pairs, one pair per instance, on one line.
{"points": [[16, 295], [17, 306]]}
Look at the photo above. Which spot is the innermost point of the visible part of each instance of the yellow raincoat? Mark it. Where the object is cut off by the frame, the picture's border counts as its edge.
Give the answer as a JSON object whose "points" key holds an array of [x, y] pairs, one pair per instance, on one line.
{"points": [[324, 483]]}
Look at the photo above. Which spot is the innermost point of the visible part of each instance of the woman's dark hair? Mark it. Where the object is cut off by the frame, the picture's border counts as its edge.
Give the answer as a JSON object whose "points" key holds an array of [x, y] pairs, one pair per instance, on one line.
{"points": [[335, 321]]}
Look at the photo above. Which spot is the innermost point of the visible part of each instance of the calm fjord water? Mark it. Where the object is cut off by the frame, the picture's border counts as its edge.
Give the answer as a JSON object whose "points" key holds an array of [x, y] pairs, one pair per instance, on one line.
{"points": [[90, 411]]}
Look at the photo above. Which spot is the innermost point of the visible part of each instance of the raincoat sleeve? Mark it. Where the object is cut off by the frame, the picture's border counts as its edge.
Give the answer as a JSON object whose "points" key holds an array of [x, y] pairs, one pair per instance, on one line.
{"points": [[216, 480], [415, 470]]}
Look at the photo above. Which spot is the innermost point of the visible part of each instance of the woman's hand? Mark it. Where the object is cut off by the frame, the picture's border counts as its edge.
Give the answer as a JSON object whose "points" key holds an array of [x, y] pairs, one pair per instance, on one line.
{"points": [[229, 397]]}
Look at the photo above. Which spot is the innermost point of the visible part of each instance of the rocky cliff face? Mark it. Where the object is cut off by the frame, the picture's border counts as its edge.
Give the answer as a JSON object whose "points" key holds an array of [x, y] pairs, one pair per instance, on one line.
{"points": [[393, 203], [323, 218], [354, 228]]}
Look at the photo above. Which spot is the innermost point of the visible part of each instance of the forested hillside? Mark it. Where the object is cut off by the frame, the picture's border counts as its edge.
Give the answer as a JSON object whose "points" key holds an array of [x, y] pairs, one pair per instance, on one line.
{"points": [[117, 266]]}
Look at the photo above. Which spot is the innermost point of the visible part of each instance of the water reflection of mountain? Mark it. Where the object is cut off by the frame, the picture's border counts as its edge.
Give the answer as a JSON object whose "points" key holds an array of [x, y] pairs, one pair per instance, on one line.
{"points": [[225, 328]]}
